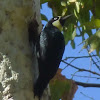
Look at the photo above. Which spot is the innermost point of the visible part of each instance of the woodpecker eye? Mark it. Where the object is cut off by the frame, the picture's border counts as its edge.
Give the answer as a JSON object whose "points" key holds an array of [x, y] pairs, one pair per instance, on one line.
{"points": [[56, 18]]}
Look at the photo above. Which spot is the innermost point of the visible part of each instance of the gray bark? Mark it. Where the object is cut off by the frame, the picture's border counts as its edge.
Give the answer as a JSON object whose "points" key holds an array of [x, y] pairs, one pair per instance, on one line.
{"points": [[16, 75]]}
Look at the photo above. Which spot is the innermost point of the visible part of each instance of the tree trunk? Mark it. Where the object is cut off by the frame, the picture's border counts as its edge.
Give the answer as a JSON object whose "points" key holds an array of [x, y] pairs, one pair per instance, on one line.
{"points": [[16, 75]]}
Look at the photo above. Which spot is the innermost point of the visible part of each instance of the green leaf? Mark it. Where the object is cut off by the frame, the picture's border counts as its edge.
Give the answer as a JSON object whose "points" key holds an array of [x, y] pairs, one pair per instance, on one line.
{"points": [[44, 1], [94, 23], [72, 0], [64, 12], [97, 9], [63, 3], [69, 33], [94, 42], [74, 34], [97, 23], [77, 6], [75, 13], [43, 17], [62, 88], [84, 15], [73, 44], [58, 88], [57, 6]]}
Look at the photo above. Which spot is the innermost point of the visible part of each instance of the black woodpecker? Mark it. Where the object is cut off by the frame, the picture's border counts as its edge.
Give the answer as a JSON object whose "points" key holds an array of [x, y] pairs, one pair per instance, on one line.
{"points": [[50, 46]]}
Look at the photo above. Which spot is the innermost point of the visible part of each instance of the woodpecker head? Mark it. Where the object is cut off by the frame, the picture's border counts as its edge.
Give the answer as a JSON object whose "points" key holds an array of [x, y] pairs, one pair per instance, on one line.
{"points": [[58, 21]]}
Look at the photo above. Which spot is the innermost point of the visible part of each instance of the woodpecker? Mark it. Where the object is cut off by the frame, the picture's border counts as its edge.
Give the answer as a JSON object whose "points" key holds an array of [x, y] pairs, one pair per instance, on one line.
{"points": [[50, 47]]}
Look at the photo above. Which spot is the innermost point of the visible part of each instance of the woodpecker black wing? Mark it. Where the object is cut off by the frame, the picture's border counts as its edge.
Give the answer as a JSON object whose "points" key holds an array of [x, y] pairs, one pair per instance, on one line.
{"points": [[50, 48]]}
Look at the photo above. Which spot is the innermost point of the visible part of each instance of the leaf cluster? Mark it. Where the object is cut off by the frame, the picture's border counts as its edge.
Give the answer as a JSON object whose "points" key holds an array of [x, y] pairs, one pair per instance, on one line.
{"points": [[86, 18]]}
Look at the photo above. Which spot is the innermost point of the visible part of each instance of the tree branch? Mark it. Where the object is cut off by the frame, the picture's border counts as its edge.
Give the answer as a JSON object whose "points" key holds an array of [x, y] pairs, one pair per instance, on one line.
{"points": [[87, 84], [80, 69]]}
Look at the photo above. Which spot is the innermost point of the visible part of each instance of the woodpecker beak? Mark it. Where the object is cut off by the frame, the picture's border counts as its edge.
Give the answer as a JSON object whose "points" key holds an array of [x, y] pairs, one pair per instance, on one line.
{"points": [[63, 19]]}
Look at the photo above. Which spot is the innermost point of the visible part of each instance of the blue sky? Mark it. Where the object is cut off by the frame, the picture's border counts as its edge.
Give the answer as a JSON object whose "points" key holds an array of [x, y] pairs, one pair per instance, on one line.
{"points": [[82, 93]]}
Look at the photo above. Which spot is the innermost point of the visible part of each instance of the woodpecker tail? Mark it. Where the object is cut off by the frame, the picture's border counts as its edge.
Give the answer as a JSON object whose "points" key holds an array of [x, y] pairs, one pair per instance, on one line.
{"points": [[39, 87]]}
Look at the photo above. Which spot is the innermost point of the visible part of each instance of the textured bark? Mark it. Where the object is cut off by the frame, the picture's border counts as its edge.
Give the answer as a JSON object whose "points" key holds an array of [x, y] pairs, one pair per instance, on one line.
{"points": [[16, 75]]}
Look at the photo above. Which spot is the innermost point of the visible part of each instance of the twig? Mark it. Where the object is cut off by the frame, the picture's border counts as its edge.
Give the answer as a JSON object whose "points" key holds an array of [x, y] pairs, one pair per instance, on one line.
{"points": [[85, 76], [74, 58], [80, 69], [79, 57], [96, 57], [74, 74], [93, 60], [87, 96]]}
